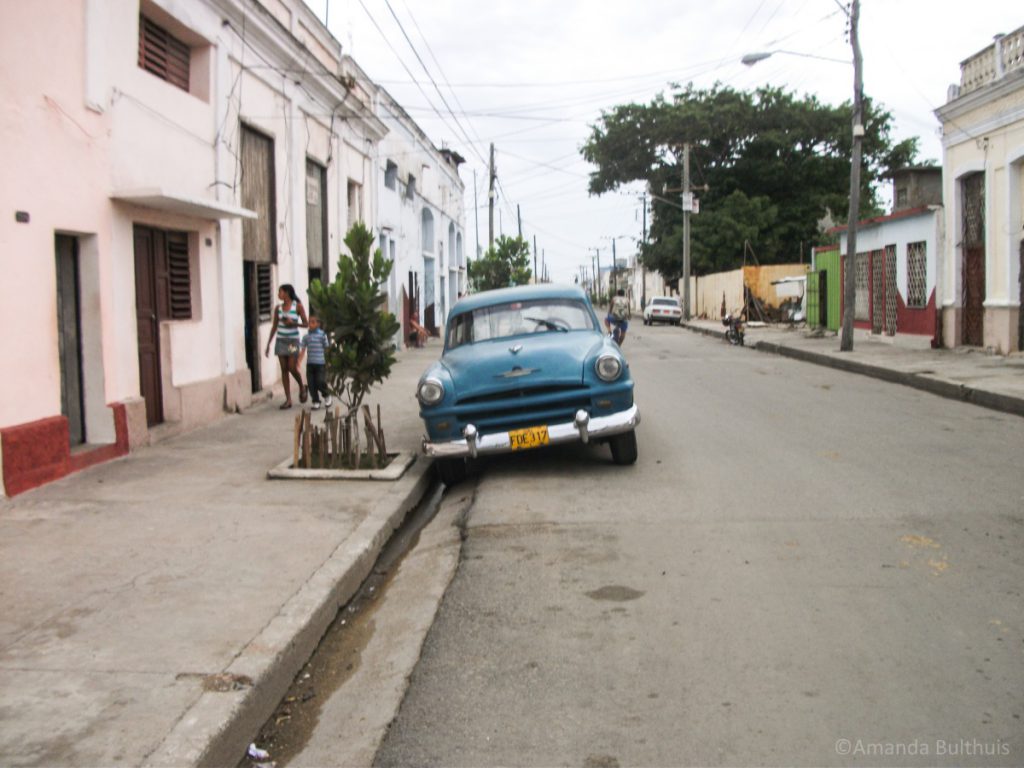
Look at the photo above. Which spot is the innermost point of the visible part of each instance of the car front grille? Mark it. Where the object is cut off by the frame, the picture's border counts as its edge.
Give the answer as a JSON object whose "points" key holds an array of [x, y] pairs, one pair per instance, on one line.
{"points": [[522, 407]]}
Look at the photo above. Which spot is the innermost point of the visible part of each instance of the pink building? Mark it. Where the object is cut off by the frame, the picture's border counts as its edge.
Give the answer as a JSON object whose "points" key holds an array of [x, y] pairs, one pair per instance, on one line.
{"points": [[167, 164]]}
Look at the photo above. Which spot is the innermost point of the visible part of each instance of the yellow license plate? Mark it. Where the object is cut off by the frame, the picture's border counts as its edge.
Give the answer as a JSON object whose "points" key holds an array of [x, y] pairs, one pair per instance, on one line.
{"points": [[532, 437]]}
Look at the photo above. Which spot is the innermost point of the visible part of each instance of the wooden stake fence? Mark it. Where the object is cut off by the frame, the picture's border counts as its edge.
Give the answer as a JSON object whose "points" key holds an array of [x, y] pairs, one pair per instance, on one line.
{"points": [[336, 444]]}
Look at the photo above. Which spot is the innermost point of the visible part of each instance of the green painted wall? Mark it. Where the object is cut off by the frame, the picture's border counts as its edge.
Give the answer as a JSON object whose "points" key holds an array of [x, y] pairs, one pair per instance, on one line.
{"points": [[829, 262]]}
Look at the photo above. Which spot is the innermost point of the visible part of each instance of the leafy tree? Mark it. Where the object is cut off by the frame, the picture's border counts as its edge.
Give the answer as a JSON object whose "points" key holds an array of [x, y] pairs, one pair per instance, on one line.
{"points": [[505, 264], [773, 164], [353, 313]]}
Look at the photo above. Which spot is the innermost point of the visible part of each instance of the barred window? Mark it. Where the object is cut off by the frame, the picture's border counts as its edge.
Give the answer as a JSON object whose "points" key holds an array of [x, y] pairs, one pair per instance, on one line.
{"points": [[162, 54], [917, 277], [862, 274]]}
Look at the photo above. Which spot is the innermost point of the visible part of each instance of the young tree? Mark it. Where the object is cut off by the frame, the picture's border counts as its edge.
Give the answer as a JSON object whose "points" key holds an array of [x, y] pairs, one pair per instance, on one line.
{"points": [[504, 265], [353, 313]]}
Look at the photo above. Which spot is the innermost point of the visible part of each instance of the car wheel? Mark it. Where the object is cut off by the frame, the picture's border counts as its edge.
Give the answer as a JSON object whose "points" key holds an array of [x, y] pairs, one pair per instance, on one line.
{"points": [[451, 471], [623, 447]]}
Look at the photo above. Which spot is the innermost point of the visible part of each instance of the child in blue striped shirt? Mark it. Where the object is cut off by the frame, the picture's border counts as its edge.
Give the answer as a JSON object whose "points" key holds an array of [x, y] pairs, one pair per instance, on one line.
{"points": [[315, 342]]}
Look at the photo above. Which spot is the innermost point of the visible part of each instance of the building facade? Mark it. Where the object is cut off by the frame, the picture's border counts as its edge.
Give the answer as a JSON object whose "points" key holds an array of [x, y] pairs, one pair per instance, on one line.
{"points": [[175, 164], [421, 221], [983, 190], [897, 265]]}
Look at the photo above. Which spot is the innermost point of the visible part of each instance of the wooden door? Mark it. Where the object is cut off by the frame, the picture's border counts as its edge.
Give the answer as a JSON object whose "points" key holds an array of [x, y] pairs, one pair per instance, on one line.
{"points": [[69, 338], [250, 274], [148, 243], [973, 298]]}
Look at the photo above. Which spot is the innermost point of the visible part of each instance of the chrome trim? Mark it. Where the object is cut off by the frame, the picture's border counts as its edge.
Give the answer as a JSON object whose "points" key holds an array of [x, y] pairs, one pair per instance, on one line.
{"points": [[595, 427]]}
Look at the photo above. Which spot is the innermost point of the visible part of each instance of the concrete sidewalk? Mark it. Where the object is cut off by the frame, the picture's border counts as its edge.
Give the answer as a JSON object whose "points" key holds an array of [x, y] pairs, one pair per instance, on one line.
{"points": [[156, 608], [967, 374]]}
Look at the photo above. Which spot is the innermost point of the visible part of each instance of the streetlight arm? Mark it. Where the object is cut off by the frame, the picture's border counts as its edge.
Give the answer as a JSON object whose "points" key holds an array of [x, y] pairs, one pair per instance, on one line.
{"points": [[752, 58]]}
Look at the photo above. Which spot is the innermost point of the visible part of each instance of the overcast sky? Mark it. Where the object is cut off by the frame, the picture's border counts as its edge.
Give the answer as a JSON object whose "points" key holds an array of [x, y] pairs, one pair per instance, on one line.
{"points": [[533, 75]]}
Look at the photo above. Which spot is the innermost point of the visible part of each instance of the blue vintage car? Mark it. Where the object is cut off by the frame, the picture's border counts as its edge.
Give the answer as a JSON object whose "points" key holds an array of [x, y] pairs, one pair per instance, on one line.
{"points": [[524, 368]]}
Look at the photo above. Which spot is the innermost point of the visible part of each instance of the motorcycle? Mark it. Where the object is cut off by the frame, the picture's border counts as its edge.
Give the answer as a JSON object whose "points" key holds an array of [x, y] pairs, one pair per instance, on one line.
{"points": [[733, 329]]}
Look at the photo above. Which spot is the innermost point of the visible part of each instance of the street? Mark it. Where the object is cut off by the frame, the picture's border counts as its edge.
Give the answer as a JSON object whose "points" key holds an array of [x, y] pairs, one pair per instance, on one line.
{"points": [[804, 567]]}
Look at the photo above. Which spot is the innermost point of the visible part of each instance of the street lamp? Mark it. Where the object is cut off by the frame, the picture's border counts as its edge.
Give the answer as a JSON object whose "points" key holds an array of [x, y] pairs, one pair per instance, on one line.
{"points": [[849, 279], [752, 58]]}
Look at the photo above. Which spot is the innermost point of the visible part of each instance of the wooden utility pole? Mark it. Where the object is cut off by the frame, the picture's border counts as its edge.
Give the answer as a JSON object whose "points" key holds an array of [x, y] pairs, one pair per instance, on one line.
{"points": [[476, 214], [643, 266], [687, 207], [535, 279], [490, 202], [615, 266], [519, 219], [850, 273]]}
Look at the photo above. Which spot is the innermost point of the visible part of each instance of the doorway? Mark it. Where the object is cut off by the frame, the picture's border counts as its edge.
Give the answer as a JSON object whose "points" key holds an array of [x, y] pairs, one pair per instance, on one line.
{"points": [[69, 337], [251, 290], [973, 298], [148, 244]]}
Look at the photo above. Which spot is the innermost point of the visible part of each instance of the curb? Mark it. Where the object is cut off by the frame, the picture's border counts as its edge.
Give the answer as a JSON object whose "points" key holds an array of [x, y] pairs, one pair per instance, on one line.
{"points": [[940, 387], [217, 727]]}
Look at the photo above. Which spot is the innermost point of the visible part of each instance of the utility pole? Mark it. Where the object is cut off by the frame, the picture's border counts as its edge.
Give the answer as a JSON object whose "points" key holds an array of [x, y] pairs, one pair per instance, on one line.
{"points": [[544, 265], [687, 207], [476, 212], [534, 259], [615, 266], [850, 277], [598, 274], [643, 265], [490, 199], [593, 283], [519, 218]]}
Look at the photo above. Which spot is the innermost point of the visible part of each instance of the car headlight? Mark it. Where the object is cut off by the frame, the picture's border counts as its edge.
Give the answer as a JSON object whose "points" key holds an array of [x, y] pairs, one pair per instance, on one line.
{"points": [[608, 367], [430, 392]]}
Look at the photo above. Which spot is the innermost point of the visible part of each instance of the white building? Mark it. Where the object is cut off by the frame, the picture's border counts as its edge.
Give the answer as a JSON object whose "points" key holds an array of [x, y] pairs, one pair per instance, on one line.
{"points": [[421, 219], [168, 164], [983, 192]]}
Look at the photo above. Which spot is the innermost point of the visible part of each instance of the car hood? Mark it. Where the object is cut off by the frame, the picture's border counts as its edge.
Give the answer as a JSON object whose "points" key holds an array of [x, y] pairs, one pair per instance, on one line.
{"points": [[538, 360]]}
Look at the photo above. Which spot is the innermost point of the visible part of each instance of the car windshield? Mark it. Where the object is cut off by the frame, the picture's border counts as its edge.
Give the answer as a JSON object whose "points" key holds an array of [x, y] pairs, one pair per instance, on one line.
{"points": [[517, 318], [668, 302]]}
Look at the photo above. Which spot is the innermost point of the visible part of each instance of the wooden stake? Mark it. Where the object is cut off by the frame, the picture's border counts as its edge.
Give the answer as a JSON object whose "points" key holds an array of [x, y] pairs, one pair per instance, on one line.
{"points": [[308, 441], [297, 436]]}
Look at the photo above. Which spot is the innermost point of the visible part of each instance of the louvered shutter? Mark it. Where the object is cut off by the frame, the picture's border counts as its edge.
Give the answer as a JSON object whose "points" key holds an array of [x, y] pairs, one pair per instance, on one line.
{"points": [[162, 54], [259, 242]]}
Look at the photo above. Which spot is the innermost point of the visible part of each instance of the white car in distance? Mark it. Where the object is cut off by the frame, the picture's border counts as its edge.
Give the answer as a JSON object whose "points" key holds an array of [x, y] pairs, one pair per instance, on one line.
{"points": [[663, 309]]}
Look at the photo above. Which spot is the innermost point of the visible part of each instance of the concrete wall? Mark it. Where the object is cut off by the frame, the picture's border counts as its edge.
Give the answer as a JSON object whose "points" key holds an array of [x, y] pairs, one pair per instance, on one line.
{"points": [[708, 291]]}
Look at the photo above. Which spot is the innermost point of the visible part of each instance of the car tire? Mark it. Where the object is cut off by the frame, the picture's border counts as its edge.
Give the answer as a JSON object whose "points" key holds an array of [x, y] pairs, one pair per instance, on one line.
{"points": [[623, 448], [451, 471]]}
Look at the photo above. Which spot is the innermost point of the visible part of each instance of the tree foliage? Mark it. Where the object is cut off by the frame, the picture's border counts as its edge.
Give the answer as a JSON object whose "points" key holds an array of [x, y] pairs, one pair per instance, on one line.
{"points": [[353, 314], [774, 165], [505, 264]]}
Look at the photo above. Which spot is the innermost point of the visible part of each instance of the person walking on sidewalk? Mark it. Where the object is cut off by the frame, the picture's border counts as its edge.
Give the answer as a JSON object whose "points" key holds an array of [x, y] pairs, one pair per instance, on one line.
{"points": [[289, 316], [315, 343]]}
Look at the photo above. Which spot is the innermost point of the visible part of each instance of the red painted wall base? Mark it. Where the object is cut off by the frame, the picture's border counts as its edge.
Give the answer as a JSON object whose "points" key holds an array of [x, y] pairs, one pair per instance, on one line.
{"points": [[39, 452]]}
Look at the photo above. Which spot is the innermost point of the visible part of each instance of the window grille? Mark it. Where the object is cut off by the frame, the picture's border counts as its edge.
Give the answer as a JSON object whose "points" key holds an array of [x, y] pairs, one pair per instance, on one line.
{"points": [[162, 54], [264, 290], [917, 276], [179, 282], [891, 316], [862, 306]]}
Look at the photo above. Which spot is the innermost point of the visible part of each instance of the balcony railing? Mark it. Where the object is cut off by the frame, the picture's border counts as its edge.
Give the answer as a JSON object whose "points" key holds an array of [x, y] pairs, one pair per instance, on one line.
{"points": [[993, 63]]}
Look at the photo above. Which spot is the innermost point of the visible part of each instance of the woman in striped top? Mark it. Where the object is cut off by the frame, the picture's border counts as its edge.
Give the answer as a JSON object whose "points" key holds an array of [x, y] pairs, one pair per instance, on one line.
{"points": [[289, 316]]}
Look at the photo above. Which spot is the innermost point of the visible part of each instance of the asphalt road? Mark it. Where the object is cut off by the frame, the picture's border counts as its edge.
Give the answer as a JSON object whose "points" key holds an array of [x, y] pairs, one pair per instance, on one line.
{"points": [[805, 567]]}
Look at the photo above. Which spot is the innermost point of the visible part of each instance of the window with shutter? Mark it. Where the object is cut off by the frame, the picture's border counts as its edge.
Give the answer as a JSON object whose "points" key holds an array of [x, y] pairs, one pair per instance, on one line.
{"points": [[179, 282], [264, 287], [163, 55]]}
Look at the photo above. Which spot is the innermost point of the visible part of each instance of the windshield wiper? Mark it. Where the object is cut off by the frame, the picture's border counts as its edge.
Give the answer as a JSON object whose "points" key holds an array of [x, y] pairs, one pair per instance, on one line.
{"points": [[547, 324]]}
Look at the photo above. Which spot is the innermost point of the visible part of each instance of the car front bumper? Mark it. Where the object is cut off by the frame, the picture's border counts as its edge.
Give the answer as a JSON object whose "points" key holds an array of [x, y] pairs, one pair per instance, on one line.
{"points": [[582, 429]]}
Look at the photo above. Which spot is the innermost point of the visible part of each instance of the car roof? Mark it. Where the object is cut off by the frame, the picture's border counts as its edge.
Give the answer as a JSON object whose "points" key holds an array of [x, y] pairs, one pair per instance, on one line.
{"points": [[518, 293]]}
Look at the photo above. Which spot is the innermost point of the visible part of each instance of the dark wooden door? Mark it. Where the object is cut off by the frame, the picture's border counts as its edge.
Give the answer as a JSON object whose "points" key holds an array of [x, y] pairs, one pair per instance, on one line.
{"points": [[250, 270], [69, 337], [149, 243], [973, 298], [823, 298], [1020, 306]]}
